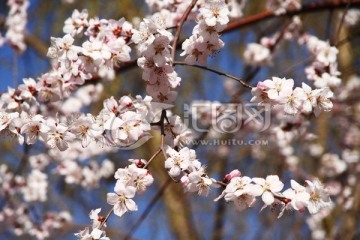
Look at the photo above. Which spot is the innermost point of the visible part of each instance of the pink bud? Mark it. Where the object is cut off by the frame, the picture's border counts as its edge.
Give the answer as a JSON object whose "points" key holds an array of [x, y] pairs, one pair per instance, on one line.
{"points": [[231, 175], [185, 180], [125, 102], [261, 86]]}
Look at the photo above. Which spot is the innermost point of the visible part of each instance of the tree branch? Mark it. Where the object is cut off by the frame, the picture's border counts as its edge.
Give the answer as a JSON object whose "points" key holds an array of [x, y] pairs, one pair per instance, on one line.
{"points": [[215, 71], [179, 27], [308, 8]]}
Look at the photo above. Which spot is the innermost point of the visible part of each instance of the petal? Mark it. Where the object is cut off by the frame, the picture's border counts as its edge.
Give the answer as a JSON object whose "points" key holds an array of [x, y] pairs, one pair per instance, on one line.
{"points": [[259, 181], [268, 198], [129, 192], [119, 209], [112, 198], [131, 205], [174, 171]]}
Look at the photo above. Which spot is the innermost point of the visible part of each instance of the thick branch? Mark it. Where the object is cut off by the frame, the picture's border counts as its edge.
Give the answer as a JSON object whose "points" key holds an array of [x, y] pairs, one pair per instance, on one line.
{"points": [[308, 8]]}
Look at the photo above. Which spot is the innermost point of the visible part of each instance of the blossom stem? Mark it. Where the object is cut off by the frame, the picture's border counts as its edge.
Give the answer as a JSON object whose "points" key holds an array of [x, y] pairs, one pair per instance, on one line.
{"points": [[179, 27], [161, 123], [215, 71], [106, 218], [153, 157]]}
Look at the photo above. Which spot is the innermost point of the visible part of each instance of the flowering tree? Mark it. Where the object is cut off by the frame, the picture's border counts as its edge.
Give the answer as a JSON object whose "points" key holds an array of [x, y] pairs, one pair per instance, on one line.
{"points": [[280, 137]]}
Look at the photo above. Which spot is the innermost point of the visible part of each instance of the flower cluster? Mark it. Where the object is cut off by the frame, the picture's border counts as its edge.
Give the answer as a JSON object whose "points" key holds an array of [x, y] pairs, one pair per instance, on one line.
{"points": [[280, 7], [205, 39], [130, 180], [33, 189], [183, 164], [324, 68], [242, 191], [120, 123], [279, 91], [259, 54], [153, 42], [16, 24], [50, 110], [73, 65]]}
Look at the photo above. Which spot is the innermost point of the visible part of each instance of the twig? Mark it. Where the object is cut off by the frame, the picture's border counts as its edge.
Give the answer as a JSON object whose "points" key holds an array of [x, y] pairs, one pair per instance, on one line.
{"points": [[215, 71], [153, 157], [179, 27], [106, 218], [341, 23], [148, 209]]}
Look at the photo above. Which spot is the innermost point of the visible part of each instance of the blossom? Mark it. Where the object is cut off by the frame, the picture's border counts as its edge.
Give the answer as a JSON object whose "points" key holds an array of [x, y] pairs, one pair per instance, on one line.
{"points": [[177, 161], [310, 98], [298, 195], [35, 129], [83, 235], [121, 199], [199, 182], [327, 54], [95, 218], [196, 49], [293, 100], [6, 119], [86, 130], [36, 186], [231, 175], [76, 23], [98, 234], [159, 51], [97, 50], [323, 102], [278, 87], [144, 36], [59, 135], [270, 185], [63, 48], [257, 54], [215, 12], [129, 128], [319, 196]]}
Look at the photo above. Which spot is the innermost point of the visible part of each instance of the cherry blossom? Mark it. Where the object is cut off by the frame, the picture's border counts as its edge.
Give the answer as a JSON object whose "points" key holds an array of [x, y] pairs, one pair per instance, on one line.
{"points": [[270, 185], [215, 12], [76, 23], [49, 116], [319, 196], [177, 161], [122, 199], [298, 195]]}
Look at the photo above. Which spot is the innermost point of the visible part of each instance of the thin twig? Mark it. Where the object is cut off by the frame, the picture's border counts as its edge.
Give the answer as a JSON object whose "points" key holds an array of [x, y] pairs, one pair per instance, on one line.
{"points": [[179, 27], [215, 71], [309, 59], [106, 218], [148, 209], [153, 157], [341, 23]]}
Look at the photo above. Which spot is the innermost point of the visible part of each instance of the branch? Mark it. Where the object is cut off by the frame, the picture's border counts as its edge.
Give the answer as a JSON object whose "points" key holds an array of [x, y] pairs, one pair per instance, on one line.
{"points": [[336, 39], [179, 27], [37, 44], [148, 209], [308, 8], [215, 71]]}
